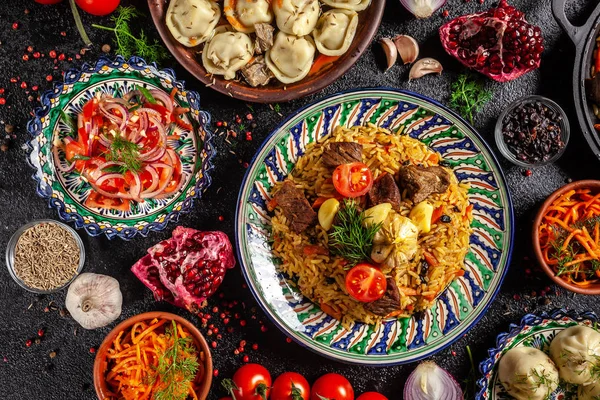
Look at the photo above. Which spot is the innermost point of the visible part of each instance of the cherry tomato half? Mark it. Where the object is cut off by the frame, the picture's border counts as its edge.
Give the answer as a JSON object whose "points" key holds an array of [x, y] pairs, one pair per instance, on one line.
{"points": [[48, 1], [332, 386], [98, 7], [290, 386], [352, 180], [253, 382], [365, 283], [372, 396]]}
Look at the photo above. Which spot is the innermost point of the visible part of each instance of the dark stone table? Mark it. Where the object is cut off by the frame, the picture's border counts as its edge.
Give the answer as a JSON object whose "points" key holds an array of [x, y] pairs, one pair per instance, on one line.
{"points": [[29, 373]]}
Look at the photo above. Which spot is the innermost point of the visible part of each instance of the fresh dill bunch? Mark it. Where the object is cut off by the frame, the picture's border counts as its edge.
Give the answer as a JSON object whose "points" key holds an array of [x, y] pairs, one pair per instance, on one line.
{"points": [[468, 96], [126, 152], [349, 238], [127, 44], [176, 368]]}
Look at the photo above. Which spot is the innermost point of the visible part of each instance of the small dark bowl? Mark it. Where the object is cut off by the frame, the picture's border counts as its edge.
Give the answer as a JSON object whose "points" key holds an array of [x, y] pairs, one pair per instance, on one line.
{"points": [[592, 289], [368, 24]]}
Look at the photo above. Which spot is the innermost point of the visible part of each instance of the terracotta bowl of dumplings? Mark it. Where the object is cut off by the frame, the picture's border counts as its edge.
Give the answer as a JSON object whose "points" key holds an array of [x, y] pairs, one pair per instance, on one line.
{"points": [[323, 70]]}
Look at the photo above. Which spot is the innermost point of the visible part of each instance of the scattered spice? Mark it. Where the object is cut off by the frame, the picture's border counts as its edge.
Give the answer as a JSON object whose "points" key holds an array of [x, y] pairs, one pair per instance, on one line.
{"points": [[52, 354], [46, 256]]}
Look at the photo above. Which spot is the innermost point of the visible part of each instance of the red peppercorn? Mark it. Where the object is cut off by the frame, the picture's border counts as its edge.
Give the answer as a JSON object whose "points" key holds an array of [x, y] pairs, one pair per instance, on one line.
{"points": [[445, 13], [219, 336], [30, 49], [249, 117], [517, 297], [453, 353], [216, 330], [289, 340], [61, 56], [219, 123], [25, 57], [23, 85], [1, 90], [63, 33], [28, 343], [238, 120], [263, 328], [37, 54], [15, 25], [240, 350], [221, 218], [2, 101], [52, 54], [13, 80], [77, 57], [225, 321], [213, 345], [246, 359], [528, 172], [236, 352], [243, 322], [92, 350], [255, 346], [245, 165], [49, 78], [209, 332], [230, 329], [41, 332], [243, 343], [215, 373], [215, 309]]}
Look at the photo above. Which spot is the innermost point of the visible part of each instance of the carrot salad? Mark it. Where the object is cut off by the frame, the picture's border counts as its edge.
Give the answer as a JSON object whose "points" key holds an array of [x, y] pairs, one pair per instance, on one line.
{"points": [[154, 359], [570, 236]]}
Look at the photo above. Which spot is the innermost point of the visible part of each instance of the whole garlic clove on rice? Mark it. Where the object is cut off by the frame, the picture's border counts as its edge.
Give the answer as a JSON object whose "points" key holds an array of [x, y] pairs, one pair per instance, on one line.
{"points": [[94, 300]]}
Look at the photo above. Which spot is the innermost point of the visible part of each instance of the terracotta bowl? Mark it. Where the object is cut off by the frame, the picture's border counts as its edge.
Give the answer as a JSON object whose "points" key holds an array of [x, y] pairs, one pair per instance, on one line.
{"points": [[593, 289], [368, 24], [101, 363]]}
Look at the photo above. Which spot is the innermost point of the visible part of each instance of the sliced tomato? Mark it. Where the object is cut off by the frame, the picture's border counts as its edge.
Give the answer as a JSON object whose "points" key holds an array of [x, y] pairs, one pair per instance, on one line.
{"points": [[164, 113], [72, 148], [96, 200], [352, 180], [145, 179], [365, 283], [150, 142], [89, 109], [175, 178]]}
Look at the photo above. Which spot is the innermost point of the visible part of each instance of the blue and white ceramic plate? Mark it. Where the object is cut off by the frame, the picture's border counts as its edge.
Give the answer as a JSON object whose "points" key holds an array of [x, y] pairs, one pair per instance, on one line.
{"points": [[533, 331], [67, 192], [466, 299]]}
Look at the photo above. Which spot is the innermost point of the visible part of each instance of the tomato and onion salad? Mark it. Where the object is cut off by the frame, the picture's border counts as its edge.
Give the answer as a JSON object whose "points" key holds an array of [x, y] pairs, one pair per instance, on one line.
{"points": [[352, 180], [365, 283], [122, 148]]}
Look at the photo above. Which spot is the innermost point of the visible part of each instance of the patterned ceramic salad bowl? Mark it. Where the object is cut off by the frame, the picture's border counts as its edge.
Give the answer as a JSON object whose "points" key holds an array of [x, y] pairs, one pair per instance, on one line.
{"points": [[69, 189], [456, 309]]}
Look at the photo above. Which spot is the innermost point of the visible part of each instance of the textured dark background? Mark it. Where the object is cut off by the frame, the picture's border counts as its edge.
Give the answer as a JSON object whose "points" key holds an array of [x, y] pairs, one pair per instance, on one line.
{"points": [[29, 373]]}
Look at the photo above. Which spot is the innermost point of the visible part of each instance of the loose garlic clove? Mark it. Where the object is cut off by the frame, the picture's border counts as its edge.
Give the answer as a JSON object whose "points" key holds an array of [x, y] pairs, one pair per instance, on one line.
{"points": [[407, 47], [390, 50], [423, 67], [94, 300]]}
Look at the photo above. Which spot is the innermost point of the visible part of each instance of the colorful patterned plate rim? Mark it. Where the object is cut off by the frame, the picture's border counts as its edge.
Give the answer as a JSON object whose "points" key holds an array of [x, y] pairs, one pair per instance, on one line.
{"points": [[533, 331], [458, 308], [67, 192]]}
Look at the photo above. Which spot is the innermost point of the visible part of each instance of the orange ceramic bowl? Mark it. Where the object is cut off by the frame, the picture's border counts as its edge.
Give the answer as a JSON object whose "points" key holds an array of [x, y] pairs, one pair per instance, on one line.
{"points": [[101, 362], [592, 289]]}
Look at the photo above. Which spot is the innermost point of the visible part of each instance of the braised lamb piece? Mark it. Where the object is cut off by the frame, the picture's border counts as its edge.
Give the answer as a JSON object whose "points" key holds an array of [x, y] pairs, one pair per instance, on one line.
{"points": [[389, 303], [264, 38], [338, 153], [295, 207], [420, 182], [385, 190], [257, 73]]}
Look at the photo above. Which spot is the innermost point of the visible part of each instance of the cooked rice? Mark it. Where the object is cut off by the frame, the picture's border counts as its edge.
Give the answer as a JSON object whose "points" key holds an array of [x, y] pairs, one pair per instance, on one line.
{"points": [[321, 277]]}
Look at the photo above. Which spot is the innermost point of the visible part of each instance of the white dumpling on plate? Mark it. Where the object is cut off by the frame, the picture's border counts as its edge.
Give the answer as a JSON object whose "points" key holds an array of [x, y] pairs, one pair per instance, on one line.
{"points": [[244, 14], [335, 31], [589, 392], [356, 5], [576, 352], [227, 52], [527, 373], [296, 17], [291, 57], [192, 22]]}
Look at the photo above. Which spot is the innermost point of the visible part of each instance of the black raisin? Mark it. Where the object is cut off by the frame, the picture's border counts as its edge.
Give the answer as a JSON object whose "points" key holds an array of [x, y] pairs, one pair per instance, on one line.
{"points": [[445, 219]]}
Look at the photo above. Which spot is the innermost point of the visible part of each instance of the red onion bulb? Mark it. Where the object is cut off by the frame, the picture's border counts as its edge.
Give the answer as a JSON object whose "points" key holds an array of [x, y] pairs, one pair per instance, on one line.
{"points": [[430, 382]]}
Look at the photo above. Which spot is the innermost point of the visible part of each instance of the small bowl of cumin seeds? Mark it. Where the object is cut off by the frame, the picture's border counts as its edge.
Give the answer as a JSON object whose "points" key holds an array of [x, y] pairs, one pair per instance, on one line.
{"points": [[45, 256]]}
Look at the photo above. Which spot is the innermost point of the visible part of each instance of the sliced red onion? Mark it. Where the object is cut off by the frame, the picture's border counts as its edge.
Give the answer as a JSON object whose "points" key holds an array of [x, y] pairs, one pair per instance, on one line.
{"points": [[106, 177], [163, 98], [157, 155], [430, 382], [154, 182], [149, 111], [104, 141], [163, 186], [422, 8]]}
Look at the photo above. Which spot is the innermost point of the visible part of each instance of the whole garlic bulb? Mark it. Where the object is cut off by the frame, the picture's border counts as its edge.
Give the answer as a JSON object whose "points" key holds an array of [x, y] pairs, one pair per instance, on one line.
{"points": [[94, 300]]}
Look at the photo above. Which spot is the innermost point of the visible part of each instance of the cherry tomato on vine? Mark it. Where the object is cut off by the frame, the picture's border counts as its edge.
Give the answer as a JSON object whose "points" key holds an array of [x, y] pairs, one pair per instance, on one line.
{"points": [[372, 396], [332, 386], [365, 283], [250, 382], [352, 180], [98, 7], [290, 386], [48, 1]]}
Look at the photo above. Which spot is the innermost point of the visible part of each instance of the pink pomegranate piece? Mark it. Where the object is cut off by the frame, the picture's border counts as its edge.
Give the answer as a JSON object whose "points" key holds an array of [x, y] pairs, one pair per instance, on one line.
{"points": [[498, 43], [186, 269]]}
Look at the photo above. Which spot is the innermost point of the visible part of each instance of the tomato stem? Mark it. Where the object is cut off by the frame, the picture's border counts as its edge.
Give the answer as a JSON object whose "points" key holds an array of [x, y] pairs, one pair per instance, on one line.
{"points": [[261, 390], [79, 23]]}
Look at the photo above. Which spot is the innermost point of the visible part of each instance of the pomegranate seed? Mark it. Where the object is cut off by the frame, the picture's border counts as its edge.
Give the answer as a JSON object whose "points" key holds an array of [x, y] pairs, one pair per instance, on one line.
{"points": [[289, 340], [222, 315], [215, 309], [445, 13], [28, 343], [52, 54], [243, 322], [264, 328], [219, 336], [1, 90], [92, 350], [37, 54], [236, 352], [517, 297], [243, 343], [246, 359], [61, 57], [213, 345], [209, 332], [255, 346], [13, 80], [2, 101], [63, 33], [528, 172], [219, 123], [240, 349], [49, 78], [225, 321], [15, 25], [453, 353], [23, 85], [41, 332], [249, 117], [25, 57], [245, 165], [216, 330], [30, 49], [216, 373], [221, 218], [230, 329]]}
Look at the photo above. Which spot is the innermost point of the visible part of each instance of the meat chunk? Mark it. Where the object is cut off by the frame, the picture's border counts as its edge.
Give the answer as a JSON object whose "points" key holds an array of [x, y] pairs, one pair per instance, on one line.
{"points": [[257, 73], [420, 182], [385, 190], [389, 303], [295, 207], [338, 153], [264, 38]]}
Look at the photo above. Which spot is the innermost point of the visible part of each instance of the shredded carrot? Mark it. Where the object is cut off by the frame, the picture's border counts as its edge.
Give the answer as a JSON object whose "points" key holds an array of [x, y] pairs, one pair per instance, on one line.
{"points": [[570, 236], [173, 94]]}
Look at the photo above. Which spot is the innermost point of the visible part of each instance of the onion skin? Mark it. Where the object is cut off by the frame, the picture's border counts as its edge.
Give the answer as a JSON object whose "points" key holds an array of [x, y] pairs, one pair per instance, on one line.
{"points": [[430, 382], [422, 8]]}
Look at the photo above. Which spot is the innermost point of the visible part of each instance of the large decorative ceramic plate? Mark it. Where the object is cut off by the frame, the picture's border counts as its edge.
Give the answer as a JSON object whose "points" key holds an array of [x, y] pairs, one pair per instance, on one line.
{"points": [[533, 331], [67, 191], [466, 299]]}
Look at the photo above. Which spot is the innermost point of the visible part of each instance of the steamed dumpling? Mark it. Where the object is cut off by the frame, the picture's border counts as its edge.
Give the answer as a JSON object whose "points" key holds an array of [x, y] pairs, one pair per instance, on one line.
{"points": [[227, 52], [527, 373], [296, 17], [589, 392], [291, 57], [244, 14], [192, 22], [356, 5], [335, 31], [576, 351]]}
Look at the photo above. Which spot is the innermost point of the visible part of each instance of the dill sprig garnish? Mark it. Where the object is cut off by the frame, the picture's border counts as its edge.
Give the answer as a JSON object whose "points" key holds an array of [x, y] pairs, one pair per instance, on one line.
{"points": [[349, 238], [177, 367], [126, 152], [127, 44], [468, 96]]}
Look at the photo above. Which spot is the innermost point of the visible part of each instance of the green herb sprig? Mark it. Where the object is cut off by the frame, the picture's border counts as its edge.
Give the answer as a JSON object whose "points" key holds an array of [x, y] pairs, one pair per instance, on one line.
{"points": [[468, 96], [146, 93], [126, 152], [349, 238], [127, 44], [177, 367]]}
